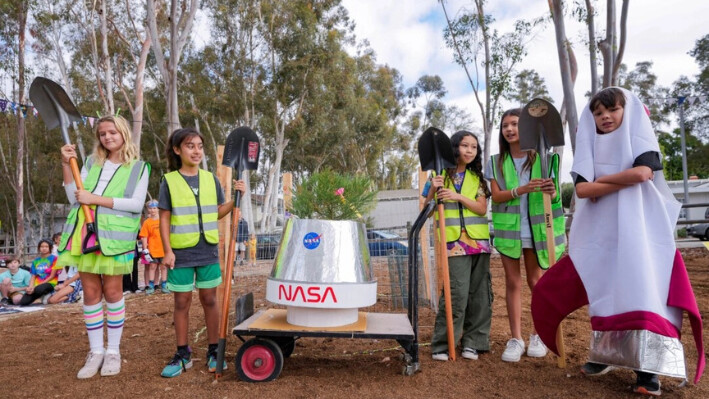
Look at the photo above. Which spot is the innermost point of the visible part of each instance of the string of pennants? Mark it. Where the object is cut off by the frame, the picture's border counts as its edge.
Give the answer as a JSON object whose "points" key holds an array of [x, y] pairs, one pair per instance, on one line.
{"points": [[12, 107], [689, 100]]}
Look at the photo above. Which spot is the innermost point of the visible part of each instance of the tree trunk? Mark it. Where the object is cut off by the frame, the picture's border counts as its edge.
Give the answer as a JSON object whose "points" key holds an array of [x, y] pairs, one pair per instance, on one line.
{"points": [[565, 67], [607, 45], [592, 46], [106, 59], [139, 92], [487, 117], [19, 194], [618, 58]]}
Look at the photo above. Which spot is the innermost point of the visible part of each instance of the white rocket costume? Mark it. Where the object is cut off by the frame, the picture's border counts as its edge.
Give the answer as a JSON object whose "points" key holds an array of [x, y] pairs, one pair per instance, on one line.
{"points": [[622, 259]]}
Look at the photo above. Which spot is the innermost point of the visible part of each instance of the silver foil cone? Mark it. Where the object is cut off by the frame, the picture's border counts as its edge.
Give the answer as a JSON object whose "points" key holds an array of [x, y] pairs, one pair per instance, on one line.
{"points": [[639, 350], [323, 251]]}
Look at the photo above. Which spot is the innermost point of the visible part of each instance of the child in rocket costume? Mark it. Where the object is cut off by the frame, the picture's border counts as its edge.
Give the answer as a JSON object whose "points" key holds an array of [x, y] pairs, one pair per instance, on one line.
{"points": [[622, 258]]}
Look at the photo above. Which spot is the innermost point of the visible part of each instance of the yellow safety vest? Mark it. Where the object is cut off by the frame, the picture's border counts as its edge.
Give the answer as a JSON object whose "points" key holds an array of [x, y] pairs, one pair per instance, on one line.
{"points": [[192, 215], [458, 216]]}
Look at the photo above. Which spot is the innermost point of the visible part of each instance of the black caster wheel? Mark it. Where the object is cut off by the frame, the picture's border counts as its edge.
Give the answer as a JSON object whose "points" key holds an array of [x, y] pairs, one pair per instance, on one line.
{"points": [[259, 360]]}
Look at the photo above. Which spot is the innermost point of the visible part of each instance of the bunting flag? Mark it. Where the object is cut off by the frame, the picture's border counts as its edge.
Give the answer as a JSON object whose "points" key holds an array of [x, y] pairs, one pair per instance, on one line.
{"points": [[83, 119], [23, 109], [91, 121], [3, 105], [13, 107], [34, 112]]}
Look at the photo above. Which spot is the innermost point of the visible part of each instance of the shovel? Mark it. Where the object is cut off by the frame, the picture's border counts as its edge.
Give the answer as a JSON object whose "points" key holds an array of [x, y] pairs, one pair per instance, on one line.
{"points": [[436, 153], [56, 109], [241, 152], [540, 129]]}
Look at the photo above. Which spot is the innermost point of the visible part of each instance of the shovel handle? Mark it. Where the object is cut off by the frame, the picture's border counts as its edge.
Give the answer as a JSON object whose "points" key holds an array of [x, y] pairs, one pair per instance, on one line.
{"points": [[228, 271], [80, 186], [446, 282], [551, 252]]}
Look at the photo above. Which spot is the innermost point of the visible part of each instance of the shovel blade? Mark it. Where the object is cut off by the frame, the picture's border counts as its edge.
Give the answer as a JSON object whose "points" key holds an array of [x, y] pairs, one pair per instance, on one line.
{"points": [[53, 104], [540, 126], [435, 150], [242, 149]]}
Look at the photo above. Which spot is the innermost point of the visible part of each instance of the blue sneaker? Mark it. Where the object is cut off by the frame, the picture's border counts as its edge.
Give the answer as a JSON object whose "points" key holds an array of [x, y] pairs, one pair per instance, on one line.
{"points": [[212, 362], [149, 290], [164, 289], [177, 365]]}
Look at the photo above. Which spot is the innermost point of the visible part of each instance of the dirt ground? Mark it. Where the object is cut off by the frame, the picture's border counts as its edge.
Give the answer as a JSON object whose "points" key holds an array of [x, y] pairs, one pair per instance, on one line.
{"points": [[41, 352]]}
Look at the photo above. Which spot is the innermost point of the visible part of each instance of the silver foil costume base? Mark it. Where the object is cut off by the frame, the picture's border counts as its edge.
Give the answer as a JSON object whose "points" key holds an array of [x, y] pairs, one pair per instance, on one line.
{"points": [[639, 350]]}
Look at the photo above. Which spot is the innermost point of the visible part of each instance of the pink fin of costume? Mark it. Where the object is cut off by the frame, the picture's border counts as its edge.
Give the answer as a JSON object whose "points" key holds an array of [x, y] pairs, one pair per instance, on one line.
{"points": [[557, 294], [682, 296]]}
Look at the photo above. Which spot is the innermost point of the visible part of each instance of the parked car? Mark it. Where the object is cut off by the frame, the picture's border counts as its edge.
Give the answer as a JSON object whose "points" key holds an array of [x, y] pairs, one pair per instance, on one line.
{"points": [[383, 243], [267, 245], [700, 231]]}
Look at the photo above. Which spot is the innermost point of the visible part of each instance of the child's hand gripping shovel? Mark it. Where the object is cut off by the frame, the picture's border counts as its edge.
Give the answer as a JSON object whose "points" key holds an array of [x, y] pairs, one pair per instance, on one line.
{"points": [[436, 152], [540, 129], [241, 152], [56, 109]]}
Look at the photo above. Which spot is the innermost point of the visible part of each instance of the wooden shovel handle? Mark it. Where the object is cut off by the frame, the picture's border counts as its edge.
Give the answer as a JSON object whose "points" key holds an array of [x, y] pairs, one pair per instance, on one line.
{"points": [[551, 252], [228, 271], [80, 186], [446, 282]]}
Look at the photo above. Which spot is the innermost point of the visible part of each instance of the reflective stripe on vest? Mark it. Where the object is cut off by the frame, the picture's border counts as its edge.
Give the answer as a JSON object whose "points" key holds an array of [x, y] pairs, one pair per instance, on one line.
{"points": [[506, 216], [116, 230], [475, 225], [192, 215]]}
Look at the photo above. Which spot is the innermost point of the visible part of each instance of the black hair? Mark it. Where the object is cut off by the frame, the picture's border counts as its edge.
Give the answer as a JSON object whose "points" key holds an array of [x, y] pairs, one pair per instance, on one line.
{"points": [[505, 146], [55, 235], [476, 165], [176, 138], [48, 241], [608, 97]]}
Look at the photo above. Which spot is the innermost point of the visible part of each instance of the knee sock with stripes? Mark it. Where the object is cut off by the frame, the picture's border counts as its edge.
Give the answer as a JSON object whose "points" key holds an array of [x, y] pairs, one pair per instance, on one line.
{"points": [[115, 316], [93, 318]]}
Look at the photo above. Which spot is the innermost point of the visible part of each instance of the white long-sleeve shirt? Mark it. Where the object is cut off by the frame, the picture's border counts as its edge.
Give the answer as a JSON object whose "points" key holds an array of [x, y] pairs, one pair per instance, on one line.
{"points": [[133, 204]]}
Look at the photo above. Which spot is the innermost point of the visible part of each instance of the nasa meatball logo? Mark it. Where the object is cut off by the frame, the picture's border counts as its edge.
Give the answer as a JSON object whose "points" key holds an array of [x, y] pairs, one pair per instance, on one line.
{"points": [[311, 240]]}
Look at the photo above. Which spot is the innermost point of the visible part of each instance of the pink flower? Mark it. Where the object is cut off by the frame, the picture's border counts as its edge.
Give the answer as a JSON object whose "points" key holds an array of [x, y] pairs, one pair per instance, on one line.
{"points": [[340, 191]]}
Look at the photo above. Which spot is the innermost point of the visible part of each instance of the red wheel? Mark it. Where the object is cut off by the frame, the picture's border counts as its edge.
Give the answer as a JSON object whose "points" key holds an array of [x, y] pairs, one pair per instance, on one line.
{"points": [[259, 360]]}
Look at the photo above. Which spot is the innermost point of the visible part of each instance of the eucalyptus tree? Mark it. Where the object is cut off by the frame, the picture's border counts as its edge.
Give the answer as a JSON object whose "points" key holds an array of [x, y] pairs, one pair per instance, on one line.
{"points": [[478, 46]]}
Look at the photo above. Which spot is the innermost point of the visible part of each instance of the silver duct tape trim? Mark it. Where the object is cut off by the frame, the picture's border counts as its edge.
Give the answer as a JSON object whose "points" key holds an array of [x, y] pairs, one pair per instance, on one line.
{"points": [[639, 350], [323, 251]]}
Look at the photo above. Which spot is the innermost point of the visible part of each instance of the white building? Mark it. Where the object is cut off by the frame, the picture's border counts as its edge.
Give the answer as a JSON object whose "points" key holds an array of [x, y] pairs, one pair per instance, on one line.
{"points": [[698, 190]]}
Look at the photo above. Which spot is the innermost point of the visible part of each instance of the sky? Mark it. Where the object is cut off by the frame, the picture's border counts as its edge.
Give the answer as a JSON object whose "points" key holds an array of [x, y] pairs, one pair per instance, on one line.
{"points": [[408, 35]]}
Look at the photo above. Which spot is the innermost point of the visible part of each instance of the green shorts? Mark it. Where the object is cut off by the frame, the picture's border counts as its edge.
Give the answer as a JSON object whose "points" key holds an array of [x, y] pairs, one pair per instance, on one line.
{"points": [[182, 279]]}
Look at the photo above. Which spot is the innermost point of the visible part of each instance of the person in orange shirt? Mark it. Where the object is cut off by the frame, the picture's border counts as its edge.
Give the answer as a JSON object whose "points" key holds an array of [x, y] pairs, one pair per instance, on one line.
{"points": [[152, 248]]}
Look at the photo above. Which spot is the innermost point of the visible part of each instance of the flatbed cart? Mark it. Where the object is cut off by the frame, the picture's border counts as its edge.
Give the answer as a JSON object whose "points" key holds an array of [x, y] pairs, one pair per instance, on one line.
{"points": [[260, 359]]}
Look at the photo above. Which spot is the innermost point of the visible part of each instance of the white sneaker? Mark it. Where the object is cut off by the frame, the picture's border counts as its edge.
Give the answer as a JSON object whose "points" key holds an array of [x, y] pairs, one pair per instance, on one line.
{"points": [[442, 356], [536, 347], [45, 298], [93, 363], [514, 350], [470, 354], [111, 364]]}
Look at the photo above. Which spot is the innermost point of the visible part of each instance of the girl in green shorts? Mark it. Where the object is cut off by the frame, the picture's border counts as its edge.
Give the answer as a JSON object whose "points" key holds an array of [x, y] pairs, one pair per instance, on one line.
{"points": [[115, 184], [191, 201]]}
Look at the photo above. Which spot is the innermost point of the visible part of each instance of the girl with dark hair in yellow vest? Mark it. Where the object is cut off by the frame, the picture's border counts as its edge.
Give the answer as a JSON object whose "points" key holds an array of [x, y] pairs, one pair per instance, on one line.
{"points": [[115, 184], [518, 221], [464, 194], [190, 203]]}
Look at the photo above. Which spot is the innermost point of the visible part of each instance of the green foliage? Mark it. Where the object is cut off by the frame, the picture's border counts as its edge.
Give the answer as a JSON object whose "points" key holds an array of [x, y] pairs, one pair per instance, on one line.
{"points": [[682, 233], [527, 86], [567, 192], [316, 197], [697, 155]]}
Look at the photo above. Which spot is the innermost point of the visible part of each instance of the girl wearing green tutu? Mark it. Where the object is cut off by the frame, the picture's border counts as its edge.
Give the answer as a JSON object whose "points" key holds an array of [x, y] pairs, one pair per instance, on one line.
{"points": [[115, 184]]}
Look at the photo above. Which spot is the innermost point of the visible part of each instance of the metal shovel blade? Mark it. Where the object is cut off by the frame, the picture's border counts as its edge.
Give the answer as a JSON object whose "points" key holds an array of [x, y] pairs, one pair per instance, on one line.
{"points": [[54, 105], [242, 149], [435, 150], [540, 126]]}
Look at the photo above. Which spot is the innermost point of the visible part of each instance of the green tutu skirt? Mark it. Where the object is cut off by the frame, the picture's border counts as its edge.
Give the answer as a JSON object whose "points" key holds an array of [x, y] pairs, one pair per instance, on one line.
{"points": [[95, 262]]}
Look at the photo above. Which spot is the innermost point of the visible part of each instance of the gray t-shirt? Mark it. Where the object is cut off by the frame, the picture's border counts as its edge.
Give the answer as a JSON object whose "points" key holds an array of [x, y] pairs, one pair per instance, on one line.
{"points": [[522, 178], [203, 253]]}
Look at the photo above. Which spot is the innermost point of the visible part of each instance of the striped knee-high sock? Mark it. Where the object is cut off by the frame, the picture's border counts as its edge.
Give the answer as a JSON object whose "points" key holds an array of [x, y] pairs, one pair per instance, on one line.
{"points": [[115, 316], [93, 318]]}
